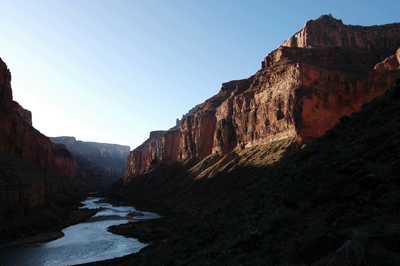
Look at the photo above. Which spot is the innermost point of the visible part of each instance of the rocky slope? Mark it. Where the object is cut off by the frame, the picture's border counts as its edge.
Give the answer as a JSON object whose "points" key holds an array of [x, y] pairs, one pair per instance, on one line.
{"points": [[98, 164], [333, 202], [325, 71]]}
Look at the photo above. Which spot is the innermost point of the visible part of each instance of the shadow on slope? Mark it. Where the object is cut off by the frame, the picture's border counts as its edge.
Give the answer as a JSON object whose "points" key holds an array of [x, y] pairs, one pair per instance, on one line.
{"points": [[194, 187], [340, 192]]}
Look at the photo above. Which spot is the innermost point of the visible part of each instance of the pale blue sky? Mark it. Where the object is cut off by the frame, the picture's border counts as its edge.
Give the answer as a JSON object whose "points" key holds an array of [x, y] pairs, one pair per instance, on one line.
{"points": [[112, 71]]}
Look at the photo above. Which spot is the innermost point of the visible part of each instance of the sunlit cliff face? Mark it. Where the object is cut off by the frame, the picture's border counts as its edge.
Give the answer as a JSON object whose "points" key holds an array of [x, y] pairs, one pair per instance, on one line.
{"points": [[325, 71]]}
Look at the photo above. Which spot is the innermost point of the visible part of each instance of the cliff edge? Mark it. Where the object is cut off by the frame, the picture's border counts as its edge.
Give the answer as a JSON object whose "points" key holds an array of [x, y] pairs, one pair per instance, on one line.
{"points": [[325, 71]]}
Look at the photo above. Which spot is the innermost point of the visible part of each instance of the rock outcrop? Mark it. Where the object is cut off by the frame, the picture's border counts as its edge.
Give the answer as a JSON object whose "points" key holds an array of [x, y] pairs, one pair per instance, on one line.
{"points": [[327, 31], [25, 114], [98, 164], [325, 71]]}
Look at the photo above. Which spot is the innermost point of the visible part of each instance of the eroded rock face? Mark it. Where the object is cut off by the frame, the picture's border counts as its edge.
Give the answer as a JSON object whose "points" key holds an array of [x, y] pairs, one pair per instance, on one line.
{"points": [[98, 164], [325, 71], [193, 138], [161, 146], [25, 114], [327, 31], [65, 163], [30, 164], [17, 136]]}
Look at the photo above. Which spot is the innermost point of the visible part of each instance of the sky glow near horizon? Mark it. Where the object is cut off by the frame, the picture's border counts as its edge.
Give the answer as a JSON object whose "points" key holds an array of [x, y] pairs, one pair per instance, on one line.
{"points": [[112, 71]]}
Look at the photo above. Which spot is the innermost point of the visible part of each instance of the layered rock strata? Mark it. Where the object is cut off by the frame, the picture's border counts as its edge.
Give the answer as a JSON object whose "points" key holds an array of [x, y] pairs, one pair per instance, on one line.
{"points": [[325, 71], [98, 164], [327, 31], [65, 162], [26, 186], [19, 137], [31, 168], [193, 138]]}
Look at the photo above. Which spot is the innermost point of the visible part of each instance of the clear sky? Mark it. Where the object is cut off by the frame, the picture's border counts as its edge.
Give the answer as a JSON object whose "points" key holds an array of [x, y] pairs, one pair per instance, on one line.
{"points": [[112, 71]]}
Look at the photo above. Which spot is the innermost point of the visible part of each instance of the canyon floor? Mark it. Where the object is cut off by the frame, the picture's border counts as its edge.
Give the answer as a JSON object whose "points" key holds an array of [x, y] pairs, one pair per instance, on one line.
{"points": [[332, 201]]}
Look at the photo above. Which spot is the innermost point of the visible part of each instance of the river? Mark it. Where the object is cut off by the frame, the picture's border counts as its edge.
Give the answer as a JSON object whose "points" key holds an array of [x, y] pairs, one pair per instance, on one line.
{"points": [[84, 242]]}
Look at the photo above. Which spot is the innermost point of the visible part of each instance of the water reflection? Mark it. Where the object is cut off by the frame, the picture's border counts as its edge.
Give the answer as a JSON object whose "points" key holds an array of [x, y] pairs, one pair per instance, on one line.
{"points": [[85, 242]]}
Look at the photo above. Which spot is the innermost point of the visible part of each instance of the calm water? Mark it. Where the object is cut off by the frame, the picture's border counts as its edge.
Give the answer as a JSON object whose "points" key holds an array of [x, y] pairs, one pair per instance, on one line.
{"points": [[85, 242]]}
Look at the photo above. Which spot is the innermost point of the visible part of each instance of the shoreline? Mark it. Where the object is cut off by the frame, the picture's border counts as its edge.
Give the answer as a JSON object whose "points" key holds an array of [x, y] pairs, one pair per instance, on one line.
{"points": [[152, 232], [75, 217], [163, 229]]}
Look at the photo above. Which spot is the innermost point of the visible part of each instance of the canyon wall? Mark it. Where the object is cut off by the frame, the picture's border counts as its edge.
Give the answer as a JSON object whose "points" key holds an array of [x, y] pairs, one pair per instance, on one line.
{"points": [[65, 162], [19, 137], [26, 186], [31, 166], [98, 164], [166, 147], [325, 71]]}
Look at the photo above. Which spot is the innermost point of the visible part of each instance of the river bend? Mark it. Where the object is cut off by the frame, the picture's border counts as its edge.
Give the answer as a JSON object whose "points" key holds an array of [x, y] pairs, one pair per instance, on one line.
{"points": [[84, 242]]}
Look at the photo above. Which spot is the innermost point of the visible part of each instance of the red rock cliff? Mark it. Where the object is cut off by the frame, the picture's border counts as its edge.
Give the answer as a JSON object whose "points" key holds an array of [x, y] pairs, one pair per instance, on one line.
{"points": [[193, 138], [64, 161], [327, 31], [19, 137], [325, 71], [30, 166]]}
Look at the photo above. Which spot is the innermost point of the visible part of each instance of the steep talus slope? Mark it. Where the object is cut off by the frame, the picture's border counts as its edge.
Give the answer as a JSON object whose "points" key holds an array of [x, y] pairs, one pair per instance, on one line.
{"points": [[98, 164], [325, 71]]}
